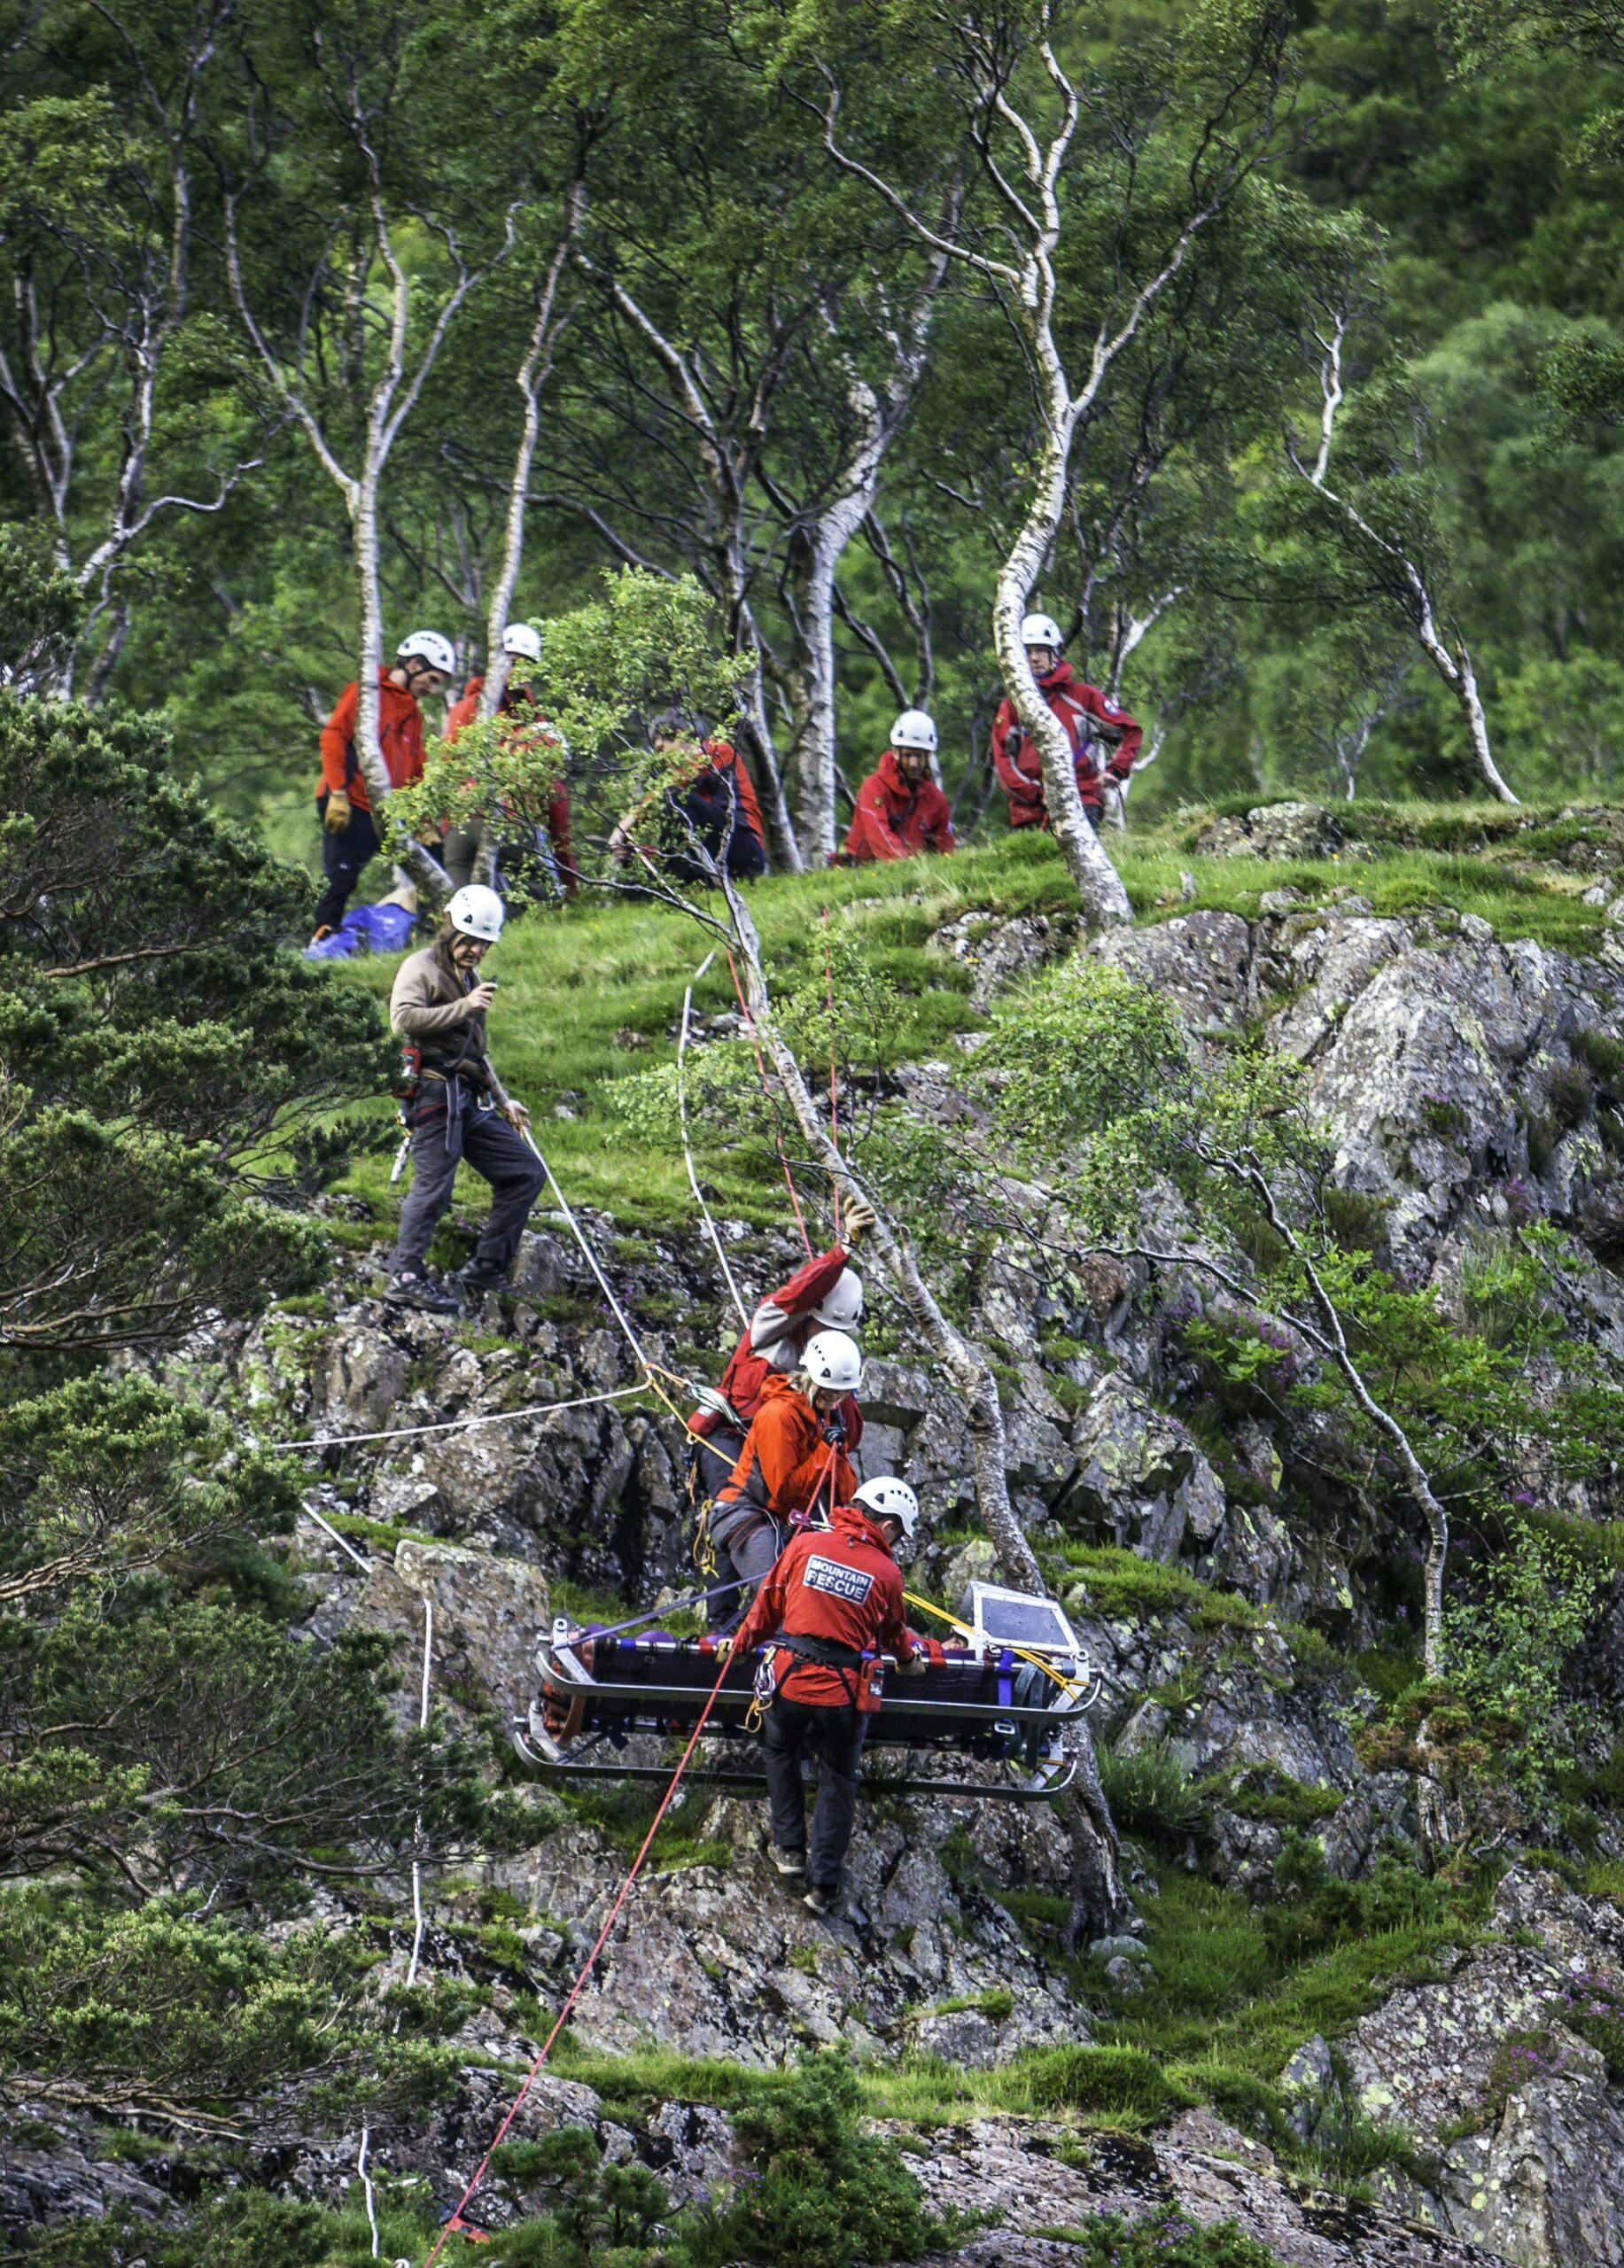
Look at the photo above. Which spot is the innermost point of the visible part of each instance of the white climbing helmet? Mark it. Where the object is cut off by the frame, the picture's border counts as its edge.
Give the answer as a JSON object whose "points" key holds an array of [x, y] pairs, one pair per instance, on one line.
{"points": [[429, 646], [840, 1307], [891, 1499], [914, 729], [1042, 630], [521, 638], [477, 912], [833, 1362]]}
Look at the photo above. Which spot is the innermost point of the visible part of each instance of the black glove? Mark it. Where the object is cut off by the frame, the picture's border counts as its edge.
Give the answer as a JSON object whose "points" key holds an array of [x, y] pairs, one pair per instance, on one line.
{"points": [[834, 1432]]}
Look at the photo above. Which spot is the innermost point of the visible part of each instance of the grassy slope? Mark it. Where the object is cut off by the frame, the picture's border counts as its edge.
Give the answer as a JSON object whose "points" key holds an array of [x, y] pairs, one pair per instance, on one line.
{"points": [[592, 994]]}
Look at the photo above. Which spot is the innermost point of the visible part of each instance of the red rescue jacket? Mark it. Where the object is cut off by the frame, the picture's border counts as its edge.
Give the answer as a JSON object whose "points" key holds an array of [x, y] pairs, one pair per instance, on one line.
{"points": [[1080, 708], [400, 732], [839, 1584], [725, 758], [776, 1341], [463, 713], [893, 821], [786, 1464]]}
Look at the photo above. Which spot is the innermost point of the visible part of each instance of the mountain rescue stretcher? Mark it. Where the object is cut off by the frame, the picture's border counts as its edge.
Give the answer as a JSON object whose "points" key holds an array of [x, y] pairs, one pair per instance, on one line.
{"points": [[1007, 1694]]}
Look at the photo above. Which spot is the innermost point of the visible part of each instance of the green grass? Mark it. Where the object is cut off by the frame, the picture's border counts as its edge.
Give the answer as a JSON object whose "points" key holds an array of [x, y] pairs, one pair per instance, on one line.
{"points": [[1126, 1588], [1224, 1993], [591, 994]]}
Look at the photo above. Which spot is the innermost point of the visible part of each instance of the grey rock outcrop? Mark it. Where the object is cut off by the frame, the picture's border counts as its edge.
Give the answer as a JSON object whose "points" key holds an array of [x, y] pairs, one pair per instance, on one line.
{"points": [[722, 1960], [1141, 1480], [1496, 2048], [1285, 830], [1039, 2180]]}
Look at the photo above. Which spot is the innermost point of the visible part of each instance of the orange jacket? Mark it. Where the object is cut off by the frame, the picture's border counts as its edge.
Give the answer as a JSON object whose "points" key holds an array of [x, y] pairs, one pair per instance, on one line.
{"points": [[724, 759], [400, 732], [463, 714], [786, 1463]]}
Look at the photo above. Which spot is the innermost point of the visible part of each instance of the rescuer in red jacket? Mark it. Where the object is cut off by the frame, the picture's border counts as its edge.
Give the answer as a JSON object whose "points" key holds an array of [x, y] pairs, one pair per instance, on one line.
{"points": [[1103, 740], [713, 814], [793, 1467], [422, 669], [832, 1604], [900, 811], [519, 706], [827, 1294]]}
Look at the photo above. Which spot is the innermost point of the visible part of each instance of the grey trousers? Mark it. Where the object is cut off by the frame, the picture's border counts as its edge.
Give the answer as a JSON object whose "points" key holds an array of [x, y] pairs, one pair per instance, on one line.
{"points": [[834, 1737], [494, 1149], [752, 1554]]}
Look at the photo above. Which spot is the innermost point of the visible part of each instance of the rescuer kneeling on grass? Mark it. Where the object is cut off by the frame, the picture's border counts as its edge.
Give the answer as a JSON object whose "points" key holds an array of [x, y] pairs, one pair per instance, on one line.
{"points": [[829, 1607], [900, 811], [456, 1107]]}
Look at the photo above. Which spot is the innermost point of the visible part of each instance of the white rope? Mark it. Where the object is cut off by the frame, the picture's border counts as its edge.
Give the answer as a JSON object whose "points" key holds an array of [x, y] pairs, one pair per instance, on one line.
{"points": [[417, 1915], [423, 1727], [366, 2183], [343, 1542], [451, 1425], [576, 1230], [687, 1153]]}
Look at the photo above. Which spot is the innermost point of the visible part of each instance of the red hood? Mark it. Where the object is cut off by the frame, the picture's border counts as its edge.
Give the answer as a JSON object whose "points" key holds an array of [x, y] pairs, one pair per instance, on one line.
{"points": [[1058, 677], [891, 777], [776, 1387], [401, 695], [852, 1522]]}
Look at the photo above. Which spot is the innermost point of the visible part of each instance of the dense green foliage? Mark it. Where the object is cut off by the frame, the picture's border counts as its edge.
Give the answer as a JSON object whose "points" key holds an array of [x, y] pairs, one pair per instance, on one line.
{"points": [[1449, 180], [181, 1761], [165, 1059], [813, 2191]]}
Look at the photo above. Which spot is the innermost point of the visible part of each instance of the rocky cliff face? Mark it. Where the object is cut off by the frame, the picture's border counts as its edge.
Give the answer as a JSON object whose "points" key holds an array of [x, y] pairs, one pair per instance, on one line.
{"points": [[1467, 1092]]}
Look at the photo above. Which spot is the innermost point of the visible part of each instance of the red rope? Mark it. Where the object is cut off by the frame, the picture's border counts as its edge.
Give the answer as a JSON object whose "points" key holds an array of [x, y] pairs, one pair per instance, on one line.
{"points": [[750, 1026], [451, 2226]]}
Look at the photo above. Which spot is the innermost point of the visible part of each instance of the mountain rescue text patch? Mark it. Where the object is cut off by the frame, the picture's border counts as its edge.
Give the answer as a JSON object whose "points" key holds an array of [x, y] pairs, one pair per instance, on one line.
{"points": [[850, 1583]]}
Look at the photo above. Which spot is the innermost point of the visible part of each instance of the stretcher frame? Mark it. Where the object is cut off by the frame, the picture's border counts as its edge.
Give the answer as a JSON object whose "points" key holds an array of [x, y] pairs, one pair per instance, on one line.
{"points": [[987, 1731]]}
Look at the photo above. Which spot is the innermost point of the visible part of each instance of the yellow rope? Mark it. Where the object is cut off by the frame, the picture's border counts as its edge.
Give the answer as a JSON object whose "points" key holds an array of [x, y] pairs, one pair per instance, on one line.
{"points": [[965, 1631]]}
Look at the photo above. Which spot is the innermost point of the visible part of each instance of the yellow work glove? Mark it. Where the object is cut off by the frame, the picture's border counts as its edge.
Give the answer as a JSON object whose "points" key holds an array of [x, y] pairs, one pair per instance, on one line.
{"points": [[859, 1218], [338, 814]]}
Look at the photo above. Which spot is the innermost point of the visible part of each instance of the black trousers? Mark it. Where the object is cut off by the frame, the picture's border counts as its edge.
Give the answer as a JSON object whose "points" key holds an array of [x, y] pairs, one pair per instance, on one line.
{"points": [[345, 858], [494, 1149], [746, 856], [833, 1736]]}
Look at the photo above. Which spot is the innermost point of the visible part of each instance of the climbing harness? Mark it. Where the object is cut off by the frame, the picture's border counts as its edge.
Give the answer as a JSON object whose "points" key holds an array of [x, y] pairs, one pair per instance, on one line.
{"points": [[453, 2224]]}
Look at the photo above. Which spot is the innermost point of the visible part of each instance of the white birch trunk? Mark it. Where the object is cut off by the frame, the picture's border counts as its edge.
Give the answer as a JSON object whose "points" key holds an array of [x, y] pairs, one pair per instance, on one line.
{"points": [[1098, 885], [530, 378], [1453, 664], [1096, 1889], [811, 679], [368, 752]]}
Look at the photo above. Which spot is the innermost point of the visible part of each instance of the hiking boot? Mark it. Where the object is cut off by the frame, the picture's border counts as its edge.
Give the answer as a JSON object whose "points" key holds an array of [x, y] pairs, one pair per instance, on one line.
{"points": [[823, 1903], [413, 1289], [786, 1862], [475, 1285]]}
